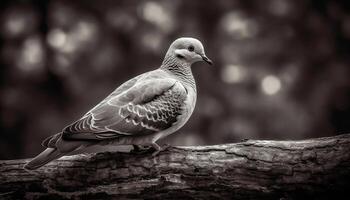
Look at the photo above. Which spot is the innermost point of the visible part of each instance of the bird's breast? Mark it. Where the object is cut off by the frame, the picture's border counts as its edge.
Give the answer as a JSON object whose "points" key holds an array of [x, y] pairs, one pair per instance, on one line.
{"points": [[187, 108], [190, 101]]}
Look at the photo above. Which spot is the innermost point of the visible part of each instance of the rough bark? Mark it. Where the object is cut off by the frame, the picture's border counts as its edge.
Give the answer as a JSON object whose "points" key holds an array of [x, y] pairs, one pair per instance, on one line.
{"points": [[308, 169]]}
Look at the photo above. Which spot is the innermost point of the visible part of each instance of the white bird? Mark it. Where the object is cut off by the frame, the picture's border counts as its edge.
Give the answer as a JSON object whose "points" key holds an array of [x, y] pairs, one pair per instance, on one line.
{"points": [[139, 112]]}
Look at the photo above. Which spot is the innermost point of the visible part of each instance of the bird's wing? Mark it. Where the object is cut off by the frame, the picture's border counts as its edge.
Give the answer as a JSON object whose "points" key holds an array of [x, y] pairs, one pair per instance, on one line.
{"points": [[148, 106], [122, 88]]}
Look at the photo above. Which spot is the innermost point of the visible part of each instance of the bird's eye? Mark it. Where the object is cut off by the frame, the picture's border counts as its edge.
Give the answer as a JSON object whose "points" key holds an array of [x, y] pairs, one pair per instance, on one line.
{"points": [[191, 48]]}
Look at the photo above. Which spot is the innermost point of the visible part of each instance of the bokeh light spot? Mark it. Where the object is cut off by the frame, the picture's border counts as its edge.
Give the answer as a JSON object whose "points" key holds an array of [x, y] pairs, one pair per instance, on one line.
{"points": [[16, 24], [57, 38], [32, 55], [232, 74], [271, 84], [238, 26], [158, 15], [85, 31]]}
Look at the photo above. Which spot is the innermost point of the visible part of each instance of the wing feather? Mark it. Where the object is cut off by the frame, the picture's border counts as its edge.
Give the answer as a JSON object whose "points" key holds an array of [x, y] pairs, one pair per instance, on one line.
{"points": [[141, 107]]}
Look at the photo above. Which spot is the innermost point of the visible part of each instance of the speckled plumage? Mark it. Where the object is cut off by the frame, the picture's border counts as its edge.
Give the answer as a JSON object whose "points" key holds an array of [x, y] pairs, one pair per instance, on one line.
{"points": [[150, 105], [140, 111]]}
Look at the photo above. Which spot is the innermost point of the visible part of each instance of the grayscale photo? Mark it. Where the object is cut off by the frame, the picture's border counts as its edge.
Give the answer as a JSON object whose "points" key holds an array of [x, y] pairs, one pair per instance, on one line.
{"points": [[175, 99]]}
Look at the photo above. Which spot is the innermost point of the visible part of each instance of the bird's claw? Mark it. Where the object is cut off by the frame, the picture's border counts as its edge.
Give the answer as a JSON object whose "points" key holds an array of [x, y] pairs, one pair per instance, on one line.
{"points": [[159, 149]]}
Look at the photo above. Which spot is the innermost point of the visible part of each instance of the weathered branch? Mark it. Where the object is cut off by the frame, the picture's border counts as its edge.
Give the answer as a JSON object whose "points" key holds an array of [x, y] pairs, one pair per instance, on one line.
{"points": [[316, 168]]}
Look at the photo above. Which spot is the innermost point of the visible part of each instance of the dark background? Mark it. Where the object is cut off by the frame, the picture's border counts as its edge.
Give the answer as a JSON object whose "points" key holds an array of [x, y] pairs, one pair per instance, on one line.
{"points": [[281, 66]]}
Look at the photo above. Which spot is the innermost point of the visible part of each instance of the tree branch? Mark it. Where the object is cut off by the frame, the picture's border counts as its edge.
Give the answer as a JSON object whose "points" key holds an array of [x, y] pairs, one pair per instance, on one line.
{"points": [[316, 168]]}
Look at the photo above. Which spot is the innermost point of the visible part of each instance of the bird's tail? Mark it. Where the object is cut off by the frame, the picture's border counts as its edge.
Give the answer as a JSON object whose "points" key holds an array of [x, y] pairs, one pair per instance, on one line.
{"points": [[43, 158], [56, 147]]}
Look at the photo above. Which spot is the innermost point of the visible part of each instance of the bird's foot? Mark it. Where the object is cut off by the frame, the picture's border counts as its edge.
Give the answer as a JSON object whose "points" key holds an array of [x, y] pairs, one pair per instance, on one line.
{"points": [[140, 149], [159, 149]]}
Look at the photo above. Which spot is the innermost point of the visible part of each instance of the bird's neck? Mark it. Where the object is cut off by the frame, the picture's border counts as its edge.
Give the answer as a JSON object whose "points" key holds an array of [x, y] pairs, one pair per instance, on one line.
{"points": [[180, 70]]}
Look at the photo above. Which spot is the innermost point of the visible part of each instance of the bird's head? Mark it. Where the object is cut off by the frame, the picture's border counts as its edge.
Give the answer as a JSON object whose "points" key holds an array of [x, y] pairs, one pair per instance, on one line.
{"points": [[188, 50]]}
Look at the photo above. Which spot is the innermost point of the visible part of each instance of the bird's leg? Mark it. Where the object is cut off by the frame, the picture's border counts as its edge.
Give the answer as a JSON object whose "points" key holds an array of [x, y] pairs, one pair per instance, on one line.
{"points": [[159, 149]]}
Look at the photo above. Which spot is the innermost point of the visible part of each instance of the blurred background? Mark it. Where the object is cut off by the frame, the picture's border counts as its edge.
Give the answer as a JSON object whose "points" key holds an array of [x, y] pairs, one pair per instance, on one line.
{"points": [[281, 66]]}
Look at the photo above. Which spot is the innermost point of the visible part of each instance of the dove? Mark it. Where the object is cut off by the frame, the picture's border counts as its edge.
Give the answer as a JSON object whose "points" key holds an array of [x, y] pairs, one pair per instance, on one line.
{"points": [[139, 112]]}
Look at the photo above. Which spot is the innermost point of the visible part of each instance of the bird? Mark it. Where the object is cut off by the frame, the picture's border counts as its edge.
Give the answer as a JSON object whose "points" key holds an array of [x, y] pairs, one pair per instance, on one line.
{"points": [[139, 112]]}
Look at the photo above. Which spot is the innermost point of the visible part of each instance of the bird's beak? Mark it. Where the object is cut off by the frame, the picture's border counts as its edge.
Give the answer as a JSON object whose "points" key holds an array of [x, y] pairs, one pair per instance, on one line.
{"points": [[207, 60]]}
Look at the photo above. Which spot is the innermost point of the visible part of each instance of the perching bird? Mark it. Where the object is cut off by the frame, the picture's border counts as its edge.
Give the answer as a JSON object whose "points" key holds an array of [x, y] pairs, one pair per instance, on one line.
{"points": [[139, 112]]}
